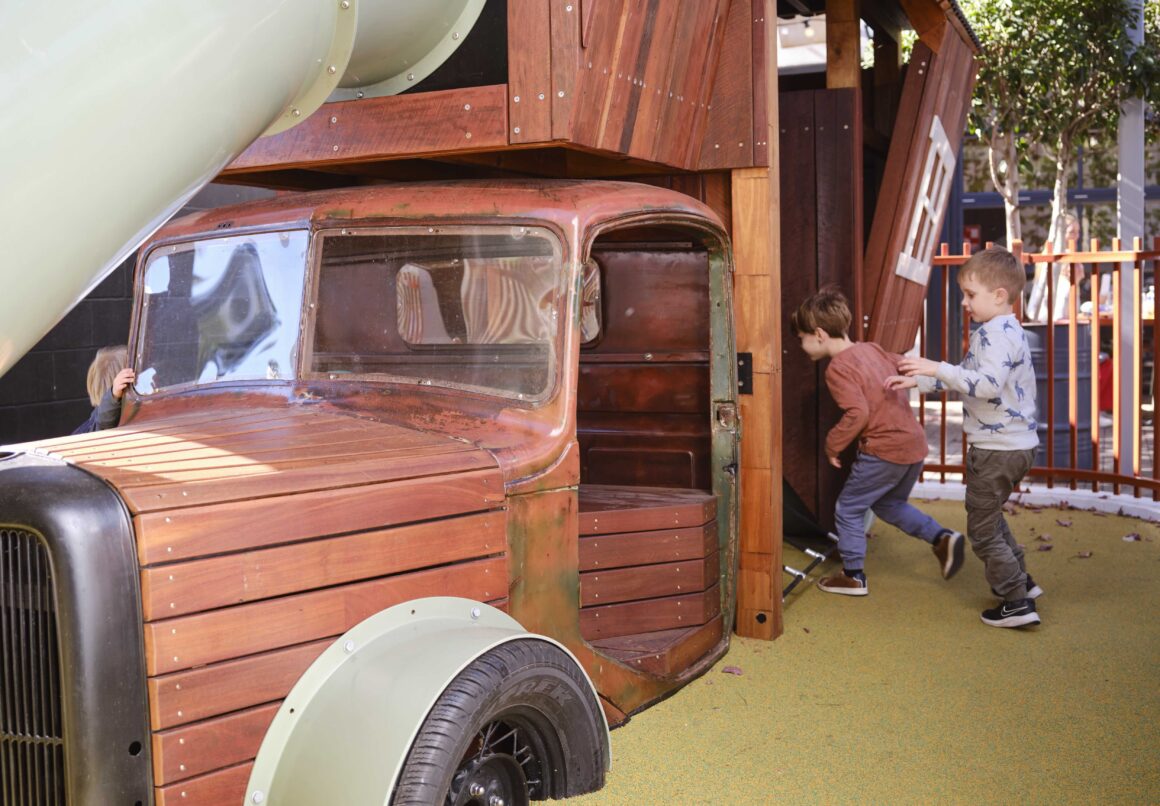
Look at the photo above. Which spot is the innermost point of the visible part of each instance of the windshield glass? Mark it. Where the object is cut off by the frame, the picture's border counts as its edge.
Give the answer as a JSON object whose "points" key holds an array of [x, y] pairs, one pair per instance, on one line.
{"points": [[469, 307], [221, 309]]}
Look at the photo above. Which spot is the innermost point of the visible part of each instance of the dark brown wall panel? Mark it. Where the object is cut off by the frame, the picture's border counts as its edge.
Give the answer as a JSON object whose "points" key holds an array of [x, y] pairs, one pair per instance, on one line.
{"points": [[820, 148], [801, 382]]}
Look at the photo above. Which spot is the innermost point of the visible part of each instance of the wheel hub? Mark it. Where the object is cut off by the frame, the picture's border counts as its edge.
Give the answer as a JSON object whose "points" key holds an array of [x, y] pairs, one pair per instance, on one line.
{"points": [[495, 780]]}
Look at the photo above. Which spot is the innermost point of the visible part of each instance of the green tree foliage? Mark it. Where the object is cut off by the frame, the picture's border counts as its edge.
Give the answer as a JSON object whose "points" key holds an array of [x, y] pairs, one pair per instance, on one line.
{"points": [[1053, 73], [1148, 63], [999, 88]]}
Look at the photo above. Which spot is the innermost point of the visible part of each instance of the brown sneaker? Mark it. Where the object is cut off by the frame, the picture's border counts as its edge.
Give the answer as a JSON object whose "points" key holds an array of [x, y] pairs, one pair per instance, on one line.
{"points": [[949, 550], [845, 585]]}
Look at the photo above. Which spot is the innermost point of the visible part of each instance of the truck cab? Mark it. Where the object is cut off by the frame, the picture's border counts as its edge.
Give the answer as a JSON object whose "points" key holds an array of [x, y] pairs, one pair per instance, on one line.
{"points": [[386, 444]]}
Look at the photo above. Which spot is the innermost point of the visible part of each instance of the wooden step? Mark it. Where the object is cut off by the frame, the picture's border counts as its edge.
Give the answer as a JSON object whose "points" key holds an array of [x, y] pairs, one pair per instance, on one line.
{"points": [[664, 653], [609, 509]]}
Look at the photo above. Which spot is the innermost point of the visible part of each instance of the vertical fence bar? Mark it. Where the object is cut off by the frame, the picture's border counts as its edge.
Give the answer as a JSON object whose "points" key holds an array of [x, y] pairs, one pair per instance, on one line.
{"points": [[1117, 375], [1094, 337], [1073, 366], [944, 353], [921, 397], [965, 339], [1138, 357], [1049, 249], [1155, 367]]}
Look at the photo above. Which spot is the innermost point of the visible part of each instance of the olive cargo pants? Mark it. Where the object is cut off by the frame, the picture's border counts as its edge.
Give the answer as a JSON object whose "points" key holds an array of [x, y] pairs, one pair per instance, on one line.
{"points": [[991, 477]]}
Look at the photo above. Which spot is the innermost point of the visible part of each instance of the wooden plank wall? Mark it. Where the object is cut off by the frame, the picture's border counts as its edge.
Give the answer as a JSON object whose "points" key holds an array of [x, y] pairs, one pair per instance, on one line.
{"points": [[821, 187], [936, 84], [643, 79]]}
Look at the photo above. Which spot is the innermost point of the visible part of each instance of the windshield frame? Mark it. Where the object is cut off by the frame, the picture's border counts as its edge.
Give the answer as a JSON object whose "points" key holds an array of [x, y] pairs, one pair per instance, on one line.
{"points": [[564, 304]]}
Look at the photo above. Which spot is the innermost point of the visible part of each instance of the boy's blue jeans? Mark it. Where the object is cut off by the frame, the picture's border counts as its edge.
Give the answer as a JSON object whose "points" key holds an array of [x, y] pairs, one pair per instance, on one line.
{"points": [[883, 487]]}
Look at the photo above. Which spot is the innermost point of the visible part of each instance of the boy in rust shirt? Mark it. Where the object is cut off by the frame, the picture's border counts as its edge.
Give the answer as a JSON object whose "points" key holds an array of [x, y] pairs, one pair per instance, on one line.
{"points": [[891, 444]]}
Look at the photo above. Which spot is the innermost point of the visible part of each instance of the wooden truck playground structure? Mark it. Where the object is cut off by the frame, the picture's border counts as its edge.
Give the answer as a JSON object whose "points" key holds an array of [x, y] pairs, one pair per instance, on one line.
{"points": [[435, 468]]}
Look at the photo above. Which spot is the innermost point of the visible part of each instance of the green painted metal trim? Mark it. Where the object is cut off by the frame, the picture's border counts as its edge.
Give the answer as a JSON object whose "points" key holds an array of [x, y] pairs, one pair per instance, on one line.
{"points": [[726, 438], [344, 730], [330, 72], [384, 65]]}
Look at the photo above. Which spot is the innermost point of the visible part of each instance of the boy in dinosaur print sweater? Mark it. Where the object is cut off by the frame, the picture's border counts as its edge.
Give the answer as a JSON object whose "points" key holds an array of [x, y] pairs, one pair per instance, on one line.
{"points": [[997, 384]]}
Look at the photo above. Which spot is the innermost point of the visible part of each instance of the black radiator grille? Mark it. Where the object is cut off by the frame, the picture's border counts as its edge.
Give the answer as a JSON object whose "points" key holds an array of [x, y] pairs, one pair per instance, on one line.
{"points": [[31, 739]]}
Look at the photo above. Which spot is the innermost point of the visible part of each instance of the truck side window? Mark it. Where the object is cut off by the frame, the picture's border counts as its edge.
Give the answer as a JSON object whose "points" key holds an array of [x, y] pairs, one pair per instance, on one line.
{"points": [[466, 307]]}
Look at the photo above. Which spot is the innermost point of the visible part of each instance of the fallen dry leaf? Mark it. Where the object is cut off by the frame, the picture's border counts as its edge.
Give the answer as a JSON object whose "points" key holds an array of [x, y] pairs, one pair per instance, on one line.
{"points": [[806, 630], [1132, 537], [1044, 538], [1062, 522], [1083, 555], [731, 670], [1044, 547]]}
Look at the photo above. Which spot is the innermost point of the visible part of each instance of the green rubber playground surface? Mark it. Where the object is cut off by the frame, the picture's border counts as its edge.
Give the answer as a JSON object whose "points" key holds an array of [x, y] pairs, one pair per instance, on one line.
{"points": [[905, 696]]}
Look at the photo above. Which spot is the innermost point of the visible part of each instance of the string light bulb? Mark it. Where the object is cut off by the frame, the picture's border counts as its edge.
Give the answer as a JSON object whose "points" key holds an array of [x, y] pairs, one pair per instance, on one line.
{"points": [[809, 32]]}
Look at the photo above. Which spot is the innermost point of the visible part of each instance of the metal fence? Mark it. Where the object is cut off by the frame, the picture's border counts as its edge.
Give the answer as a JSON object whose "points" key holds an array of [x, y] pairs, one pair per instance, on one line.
{"points": [[1095, 361]]}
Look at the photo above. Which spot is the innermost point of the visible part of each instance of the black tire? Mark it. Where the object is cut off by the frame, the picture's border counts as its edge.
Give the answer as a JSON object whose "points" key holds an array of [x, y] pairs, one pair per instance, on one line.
{"points": [[520, 722]]}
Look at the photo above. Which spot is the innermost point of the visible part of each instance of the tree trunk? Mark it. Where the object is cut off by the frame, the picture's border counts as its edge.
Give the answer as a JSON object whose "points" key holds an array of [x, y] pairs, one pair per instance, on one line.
{"points": [[1001, 152], [1036, 309]]}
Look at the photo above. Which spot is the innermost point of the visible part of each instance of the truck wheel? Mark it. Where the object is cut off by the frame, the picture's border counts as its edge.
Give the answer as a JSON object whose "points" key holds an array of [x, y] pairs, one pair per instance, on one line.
{"points": [[520, 723]]}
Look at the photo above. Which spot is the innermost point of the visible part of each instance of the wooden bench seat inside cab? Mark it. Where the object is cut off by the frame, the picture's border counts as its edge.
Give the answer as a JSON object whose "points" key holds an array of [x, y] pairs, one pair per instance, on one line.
{"points": [[649, 572]]}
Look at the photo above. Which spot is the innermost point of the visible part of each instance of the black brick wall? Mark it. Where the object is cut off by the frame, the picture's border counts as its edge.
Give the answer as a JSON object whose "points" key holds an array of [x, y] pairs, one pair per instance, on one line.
{"points": [[43, 395]]}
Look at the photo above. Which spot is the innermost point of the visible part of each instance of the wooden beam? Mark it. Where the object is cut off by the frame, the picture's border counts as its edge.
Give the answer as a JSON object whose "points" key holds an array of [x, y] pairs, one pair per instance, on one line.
{"points": [[928, 20], [843, 44], [529, 71], [756, 229], [370, 129]]}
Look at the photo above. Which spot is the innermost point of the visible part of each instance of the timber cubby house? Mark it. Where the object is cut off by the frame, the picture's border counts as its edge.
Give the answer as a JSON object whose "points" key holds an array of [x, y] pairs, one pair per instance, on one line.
{"points": [[839, 176]]}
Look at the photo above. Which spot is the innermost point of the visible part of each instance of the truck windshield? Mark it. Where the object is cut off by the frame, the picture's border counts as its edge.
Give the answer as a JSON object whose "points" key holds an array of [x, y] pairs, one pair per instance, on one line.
{"points": [[467, 307], [221, 309]]}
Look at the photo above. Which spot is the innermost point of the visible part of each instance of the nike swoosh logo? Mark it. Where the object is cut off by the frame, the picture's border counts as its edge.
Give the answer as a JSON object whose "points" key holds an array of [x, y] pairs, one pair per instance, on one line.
{"points": [[1005, 612]]}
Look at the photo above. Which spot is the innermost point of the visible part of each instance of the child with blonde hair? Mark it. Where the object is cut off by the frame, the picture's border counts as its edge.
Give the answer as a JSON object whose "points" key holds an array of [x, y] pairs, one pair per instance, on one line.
{"points": [[107, 381], [997, 384]]}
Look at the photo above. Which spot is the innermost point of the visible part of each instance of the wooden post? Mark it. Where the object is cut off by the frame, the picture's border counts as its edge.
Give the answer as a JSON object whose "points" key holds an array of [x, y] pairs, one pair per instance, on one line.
{"points": [[843, 44], [757, 255]]}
